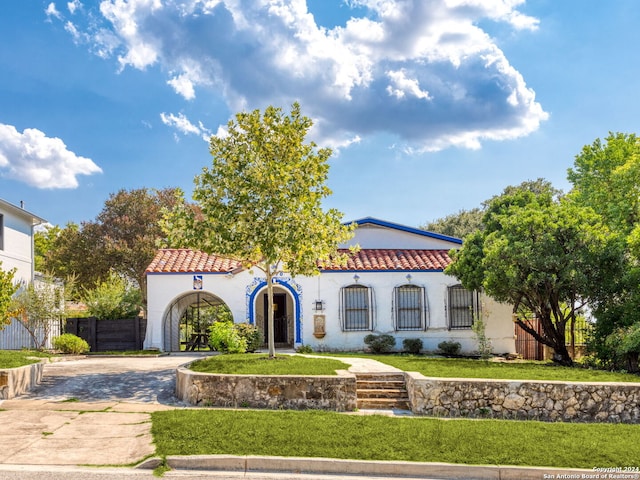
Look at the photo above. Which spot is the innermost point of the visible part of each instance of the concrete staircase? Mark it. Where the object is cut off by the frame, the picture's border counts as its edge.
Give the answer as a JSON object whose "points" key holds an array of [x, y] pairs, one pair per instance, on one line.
{"points": [[382, 391]]}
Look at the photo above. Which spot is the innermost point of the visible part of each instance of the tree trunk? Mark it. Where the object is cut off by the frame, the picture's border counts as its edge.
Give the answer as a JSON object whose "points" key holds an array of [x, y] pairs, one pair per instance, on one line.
{"points": [[270, 323], [552, 338]]}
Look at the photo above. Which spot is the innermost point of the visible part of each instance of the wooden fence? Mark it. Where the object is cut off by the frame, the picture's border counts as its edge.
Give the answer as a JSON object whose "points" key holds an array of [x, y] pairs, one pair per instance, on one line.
{"points": [[531, 349], [109, 335], [526, 345]]}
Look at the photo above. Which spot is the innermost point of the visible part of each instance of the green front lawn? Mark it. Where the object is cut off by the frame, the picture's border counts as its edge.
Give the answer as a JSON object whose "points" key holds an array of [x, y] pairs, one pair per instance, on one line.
{"points": [[467, 368], [259, 364], [20, 358], [127, 352], [377, 437]]}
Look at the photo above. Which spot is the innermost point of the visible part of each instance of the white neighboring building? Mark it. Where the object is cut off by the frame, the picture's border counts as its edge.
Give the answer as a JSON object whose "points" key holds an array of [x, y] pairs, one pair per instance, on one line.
{"points": [[16, 240], [17, 251], [395, 284]]}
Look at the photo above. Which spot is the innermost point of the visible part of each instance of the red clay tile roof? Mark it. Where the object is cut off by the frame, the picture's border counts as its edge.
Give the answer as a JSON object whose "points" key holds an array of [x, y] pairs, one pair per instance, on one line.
{"points": [[183, 260], [395, 259]]}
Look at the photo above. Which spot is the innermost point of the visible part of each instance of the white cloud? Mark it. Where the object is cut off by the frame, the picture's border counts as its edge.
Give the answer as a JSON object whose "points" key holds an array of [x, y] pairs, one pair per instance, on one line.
{"points": [[40, 161], [423, 72], [73, 6], [71, 28], [181, 123], [183, 86], [52, 11], [402, 85]]}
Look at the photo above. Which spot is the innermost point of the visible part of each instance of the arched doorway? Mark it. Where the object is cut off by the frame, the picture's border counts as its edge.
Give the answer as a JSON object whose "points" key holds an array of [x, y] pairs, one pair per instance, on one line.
{"points": [[287, 310], [187, 319], [283, 316]]}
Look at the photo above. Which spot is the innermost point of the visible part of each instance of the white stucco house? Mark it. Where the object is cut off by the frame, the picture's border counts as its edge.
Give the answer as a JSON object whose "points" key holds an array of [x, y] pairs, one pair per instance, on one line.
{"points": [[395, 284]]}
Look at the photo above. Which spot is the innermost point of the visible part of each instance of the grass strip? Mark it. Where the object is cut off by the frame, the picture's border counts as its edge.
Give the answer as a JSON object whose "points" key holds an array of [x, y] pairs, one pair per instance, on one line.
{"points": [[260, 364], [469, 368], [377, 437], [20, 358]]}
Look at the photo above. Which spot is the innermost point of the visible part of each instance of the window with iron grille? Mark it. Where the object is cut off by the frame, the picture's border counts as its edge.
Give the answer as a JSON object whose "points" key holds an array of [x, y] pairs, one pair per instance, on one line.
{"points": [[409, 307], [356, 308], [464, 305], [1, 232]]}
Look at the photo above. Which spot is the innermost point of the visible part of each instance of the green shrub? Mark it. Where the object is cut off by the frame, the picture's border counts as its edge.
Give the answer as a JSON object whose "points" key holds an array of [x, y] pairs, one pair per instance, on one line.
{"points": [[624, 348], [224, 338], [479, 327], [380, 343], [304, 349], [412, 345], [449, 348], [251, 334], [69, 343], [112, 299]]}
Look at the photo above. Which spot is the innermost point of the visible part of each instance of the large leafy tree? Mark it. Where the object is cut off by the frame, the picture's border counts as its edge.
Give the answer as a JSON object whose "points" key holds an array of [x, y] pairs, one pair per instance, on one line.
{"points": [[76, 252], [260, 201], [457, 225], [123, 239], [606, 178], [465, 222], [539, 254]]}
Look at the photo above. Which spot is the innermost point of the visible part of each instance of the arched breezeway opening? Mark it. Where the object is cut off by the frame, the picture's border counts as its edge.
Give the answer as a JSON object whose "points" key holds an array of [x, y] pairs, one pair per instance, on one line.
{"points": [[187, 319]]}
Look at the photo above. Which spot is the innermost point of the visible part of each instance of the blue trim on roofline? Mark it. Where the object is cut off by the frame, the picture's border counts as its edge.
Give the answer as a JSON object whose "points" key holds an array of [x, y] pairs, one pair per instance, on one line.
{"points": [[404, 228]]}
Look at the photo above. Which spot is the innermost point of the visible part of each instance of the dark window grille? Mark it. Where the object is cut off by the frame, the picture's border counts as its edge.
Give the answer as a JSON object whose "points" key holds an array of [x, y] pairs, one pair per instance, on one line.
{"points": [[463, 307], [1, 232], [356, 308], [409, 307]]}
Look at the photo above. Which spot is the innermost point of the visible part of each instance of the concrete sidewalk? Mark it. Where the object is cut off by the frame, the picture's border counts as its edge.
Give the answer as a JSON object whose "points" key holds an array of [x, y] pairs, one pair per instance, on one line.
{"points": [[40, 432]]}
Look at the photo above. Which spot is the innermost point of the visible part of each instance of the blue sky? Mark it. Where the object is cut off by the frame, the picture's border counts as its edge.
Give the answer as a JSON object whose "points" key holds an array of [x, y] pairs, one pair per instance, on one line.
{"points": [[431, 106]]}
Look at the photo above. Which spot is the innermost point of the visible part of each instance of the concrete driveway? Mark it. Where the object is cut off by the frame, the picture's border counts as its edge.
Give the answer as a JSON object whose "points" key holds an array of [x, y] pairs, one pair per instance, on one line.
{"points": [[90, 411], [124, 379]]}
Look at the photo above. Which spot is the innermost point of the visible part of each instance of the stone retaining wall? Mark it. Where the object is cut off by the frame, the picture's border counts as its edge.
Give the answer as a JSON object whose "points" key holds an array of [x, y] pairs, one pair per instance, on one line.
{"points": [[546, 400], [16, 381], [336, 392]]}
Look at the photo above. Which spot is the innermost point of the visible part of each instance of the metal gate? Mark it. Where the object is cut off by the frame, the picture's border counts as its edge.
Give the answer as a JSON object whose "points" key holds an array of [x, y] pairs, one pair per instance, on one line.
{"points": [[526, 345]]}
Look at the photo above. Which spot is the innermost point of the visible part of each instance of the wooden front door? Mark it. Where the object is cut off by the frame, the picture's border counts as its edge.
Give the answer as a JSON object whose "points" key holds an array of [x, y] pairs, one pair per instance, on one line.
{"points": [[280, 324]]}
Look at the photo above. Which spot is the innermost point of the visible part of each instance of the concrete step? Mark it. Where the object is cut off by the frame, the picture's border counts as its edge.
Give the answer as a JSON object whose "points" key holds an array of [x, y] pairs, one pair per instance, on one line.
{"points": [[384, 404], [380, 376], [382, 393], [379, 384]]}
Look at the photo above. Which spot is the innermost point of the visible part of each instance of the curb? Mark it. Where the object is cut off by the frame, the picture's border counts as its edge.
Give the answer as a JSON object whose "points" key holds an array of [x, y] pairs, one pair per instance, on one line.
{"points": [[444, 471]]}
